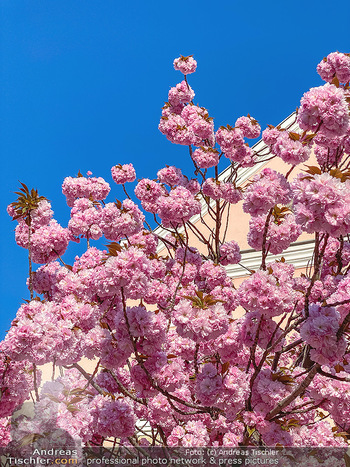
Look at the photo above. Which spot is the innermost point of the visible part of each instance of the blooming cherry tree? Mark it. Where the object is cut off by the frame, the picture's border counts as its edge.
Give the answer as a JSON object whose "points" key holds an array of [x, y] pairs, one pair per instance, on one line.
{"points": [[174, 341]]}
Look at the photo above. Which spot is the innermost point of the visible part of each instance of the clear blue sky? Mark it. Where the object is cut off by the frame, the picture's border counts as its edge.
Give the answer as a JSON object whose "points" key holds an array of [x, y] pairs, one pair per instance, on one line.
{"points": [[83, 83]]}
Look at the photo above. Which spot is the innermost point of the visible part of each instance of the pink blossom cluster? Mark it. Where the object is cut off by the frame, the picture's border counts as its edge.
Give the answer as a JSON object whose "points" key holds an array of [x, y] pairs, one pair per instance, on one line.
{"points": [[269, 332], [192, 185], [172, 375], [56, 281], [291, 147], [231, 140], [91, 258], [341, 295], [331, 142], [148, 191], [47, 242], [335, 65], [243, 155], [234, 346], [160, 411], [320, 291], [268, 189], [235, 392], [176, 206], [175, 129], [213, 275], [82, 187], [205, 157], [129, 269], [45, 277], [186, 124], [159, 292], [191, 255], [322, 204], [180, 346], [186, 65], [123, 173], [209, 384], [101, 344], [322, 436], [324, 109], [143, 324], [291, 150], [249, 126], [5, 431], [38, 335], [15, 385], [199, 324], [170, 175], [40, 216], [117, 222], [85, 219], [231, 439], [83, 314], [48, 239], [227, 294], [320, 332], [262, 293], [327, 156], [221, 190], [186, 273], [230, 253], [194, 433], [278, 235], [144, 240], [283, 271], [269, 391], [333, 396], [330, 152], [197, 119], [334, 249], [114, 418], [179, 206], [180, 94], [270, 135], [182, 122]]}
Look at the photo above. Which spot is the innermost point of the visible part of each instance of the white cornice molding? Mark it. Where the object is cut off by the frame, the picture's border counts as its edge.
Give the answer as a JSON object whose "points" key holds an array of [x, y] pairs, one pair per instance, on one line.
{"points": [[299, 254]]}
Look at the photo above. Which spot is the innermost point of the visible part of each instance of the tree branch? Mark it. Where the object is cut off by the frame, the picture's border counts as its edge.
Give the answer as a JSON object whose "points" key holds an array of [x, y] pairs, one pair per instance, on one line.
{"points": [[301, 388]]}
